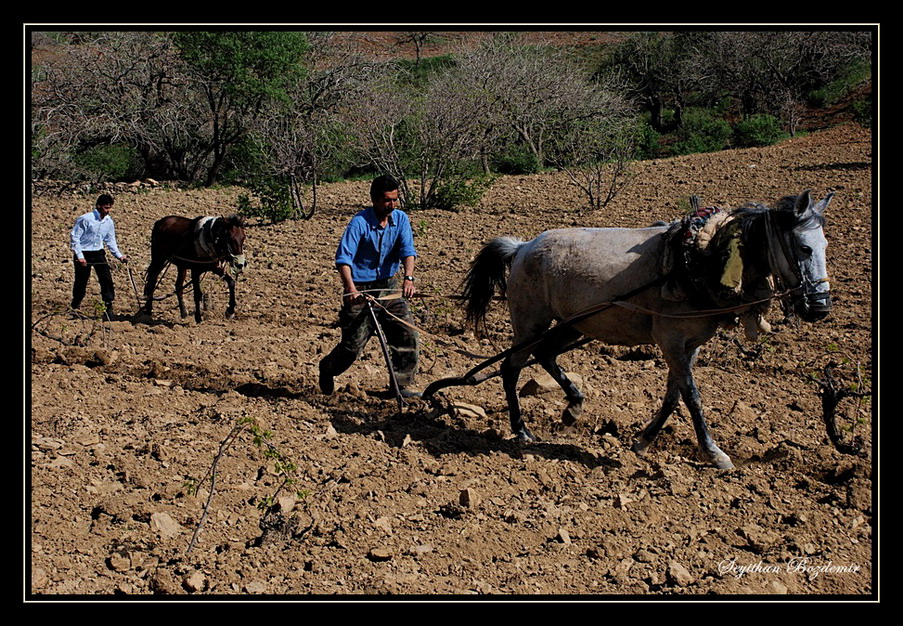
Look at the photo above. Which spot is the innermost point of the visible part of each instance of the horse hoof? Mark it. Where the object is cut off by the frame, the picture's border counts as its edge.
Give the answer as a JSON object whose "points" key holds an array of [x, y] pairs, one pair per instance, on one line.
{"points": [[525, 436], [723, 463], [571, 413], [719, 459], [640, 446]]}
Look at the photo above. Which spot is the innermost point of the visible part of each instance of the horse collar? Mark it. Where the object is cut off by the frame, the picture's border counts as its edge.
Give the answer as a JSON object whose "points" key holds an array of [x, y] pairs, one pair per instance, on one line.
{"points": [[205, 241]]}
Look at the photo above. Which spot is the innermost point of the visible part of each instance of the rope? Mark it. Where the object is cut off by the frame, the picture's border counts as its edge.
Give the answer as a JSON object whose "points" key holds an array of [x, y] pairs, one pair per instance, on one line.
{"points": [[587, 312]]}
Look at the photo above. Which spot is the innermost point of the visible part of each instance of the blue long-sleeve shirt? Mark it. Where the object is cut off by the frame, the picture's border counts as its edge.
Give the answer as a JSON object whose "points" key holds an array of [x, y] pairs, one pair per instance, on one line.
{"points": [[90, 233], [374, 253]]}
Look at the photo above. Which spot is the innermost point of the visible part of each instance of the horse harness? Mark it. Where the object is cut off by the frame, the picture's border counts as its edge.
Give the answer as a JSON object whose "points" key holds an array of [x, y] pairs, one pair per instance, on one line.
{"points": [[205, 242]]}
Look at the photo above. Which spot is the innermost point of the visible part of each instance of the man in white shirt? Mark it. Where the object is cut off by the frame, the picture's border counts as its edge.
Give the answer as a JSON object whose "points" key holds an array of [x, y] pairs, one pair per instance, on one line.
{"points": [[93, 231]]}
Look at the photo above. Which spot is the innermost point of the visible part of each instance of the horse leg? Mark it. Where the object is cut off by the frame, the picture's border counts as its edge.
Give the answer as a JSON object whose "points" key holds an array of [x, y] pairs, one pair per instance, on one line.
{"points": [[153, 272], [669, 404], [707, 447], [511, 367], [547, 353], [230, 311], [682, 368], [196, 286], [180, 289]]}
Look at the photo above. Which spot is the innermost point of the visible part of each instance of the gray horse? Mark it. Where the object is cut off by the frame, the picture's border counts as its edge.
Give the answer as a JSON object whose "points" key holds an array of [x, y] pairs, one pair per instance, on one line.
{"points": [[615, 285]]}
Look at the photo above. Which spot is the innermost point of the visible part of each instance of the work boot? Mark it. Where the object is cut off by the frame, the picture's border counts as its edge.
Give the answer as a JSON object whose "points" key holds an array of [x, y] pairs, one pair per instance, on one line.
{"points": [[409, 393], [327, 382]]}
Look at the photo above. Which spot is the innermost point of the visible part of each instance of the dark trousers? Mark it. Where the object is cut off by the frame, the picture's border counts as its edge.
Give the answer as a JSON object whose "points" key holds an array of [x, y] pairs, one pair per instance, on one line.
{"points": [[357, 328], [97, 260]]}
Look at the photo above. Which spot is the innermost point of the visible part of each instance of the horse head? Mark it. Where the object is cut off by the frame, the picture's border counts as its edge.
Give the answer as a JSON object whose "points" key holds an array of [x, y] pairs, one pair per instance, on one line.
{"points": [[229, 242], [797, 256]]}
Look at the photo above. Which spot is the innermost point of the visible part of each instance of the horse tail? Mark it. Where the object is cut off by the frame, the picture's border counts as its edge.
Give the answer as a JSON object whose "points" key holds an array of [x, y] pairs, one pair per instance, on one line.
{"points": [[486, 275]]}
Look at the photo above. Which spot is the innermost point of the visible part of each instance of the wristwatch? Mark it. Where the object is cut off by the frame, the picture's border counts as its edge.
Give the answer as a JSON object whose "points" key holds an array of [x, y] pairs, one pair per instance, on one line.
{"points": [[410, 278]]}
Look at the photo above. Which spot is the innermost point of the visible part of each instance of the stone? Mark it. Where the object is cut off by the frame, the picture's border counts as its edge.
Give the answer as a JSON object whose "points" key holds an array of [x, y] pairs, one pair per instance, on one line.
{"points": [[380, 554], [255, 587], [469, 498], [678, 574], [420, 550], [164, 524], [563, 536], [194, 582], [538, 385], [119, 561], [465, 411]]}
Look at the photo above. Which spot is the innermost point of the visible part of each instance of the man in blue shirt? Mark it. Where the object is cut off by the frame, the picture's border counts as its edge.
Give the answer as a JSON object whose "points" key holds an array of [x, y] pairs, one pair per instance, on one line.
{"points": [[92, 231], [375, 243]]}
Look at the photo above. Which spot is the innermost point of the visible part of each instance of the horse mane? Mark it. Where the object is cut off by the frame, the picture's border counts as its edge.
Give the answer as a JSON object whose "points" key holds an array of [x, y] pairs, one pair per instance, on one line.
{"points": [[235, 220], [784, 210]]}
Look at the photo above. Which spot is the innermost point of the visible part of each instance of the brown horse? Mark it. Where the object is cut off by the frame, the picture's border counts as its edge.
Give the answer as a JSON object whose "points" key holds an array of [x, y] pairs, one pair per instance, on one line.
{"points": [[202, 244]]}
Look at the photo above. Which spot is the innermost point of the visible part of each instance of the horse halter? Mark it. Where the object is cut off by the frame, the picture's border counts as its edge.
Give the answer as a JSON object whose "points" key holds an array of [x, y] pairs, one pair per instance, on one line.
{"points": [[211, 245], [814, 303]]}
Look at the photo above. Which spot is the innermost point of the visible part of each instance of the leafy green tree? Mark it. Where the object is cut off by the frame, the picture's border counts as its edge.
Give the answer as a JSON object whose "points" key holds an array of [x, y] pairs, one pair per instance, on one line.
{"points": [[237, 73], [660, 73]]}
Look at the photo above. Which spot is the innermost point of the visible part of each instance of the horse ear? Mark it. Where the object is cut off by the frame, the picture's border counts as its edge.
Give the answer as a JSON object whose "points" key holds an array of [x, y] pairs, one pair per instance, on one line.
{"points": [[823, 203], [803, 202]]}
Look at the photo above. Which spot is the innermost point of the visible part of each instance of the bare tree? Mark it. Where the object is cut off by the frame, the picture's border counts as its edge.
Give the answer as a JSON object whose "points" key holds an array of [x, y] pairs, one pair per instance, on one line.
{"points": [[421, 133], [418, 38], [530, 88], [774, 71], [594, 142], [659, 71], [302, 135], [109, 87]]}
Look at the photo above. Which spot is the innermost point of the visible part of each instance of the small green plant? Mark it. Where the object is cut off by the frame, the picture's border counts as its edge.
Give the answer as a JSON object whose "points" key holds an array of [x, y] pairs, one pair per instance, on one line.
{"points": [[702, 131], [110, 162], [648, 141], [862, 112], [515, 159], [284, 468], [80, 331], [274, 200], [834, 391]]}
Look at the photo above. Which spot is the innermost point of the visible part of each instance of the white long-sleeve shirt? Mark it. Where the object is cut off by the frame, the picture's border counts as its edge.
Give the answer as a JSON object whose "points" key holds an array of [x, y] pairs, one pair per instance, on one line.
{"points": [[90, 233]]}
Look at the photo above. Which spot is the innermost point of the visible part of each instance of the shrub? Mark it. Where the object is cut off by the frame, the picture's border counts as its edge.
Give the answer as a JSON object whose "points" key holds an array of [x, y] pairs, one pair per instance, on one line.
{"points": [[648, 141], [114, 162], [458, 191], [516, 159], [701, 131], [761, 129], [862, 112], [274, 195]]}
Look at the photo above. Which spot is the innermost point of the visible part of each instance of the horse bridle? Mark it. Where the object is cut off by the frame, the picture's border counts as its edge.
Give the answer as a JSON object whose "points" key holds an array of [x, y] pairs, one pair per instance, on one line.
{"points": [[810, 297], [211, 248]]}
